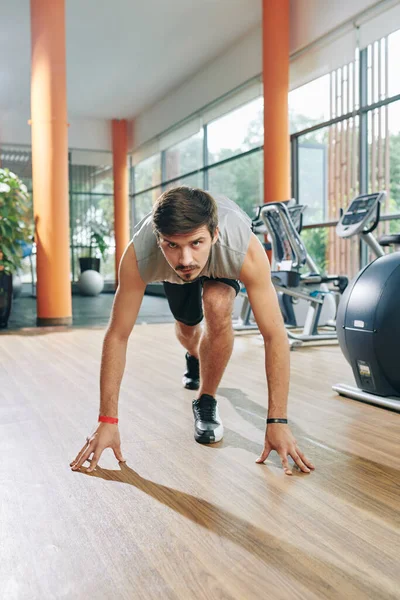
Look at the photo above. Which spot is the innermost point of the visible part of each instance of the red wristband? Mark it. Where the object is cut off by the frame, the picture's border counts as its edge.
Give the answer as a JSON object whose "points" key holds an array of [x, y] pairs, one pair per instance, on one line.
{"points": [[111, 420]]}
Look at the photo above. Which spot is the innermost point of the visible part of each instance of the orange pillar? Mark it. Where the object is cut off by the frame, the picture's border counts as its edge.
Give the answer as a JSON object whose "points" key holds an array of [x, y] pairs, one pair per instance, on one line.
{"points": [[50, 162], [276, 109], [121, 189]]}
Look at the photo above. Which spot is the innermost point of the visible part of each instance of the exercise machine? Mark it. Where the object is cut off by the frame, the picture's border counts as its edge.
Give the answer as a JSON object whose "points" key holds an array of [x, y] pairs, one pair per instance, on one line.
{"points": [[245, 321], [368, 319], [290, 257]]}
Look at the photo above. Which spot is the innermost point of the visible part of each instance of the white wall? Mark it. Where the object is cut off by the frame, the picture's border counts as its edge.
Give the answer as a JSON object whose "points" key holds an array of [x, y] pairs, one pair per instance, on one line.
{"points": [[232, 68], [14, 128], [94, 134], [310, 20]]}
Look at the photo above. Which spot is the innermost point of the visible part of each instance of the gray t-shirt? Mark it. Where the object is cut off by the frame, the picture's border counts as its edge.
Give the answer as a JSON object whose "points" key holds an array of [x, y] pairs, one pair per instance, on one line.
{"points": [[226, 256]]}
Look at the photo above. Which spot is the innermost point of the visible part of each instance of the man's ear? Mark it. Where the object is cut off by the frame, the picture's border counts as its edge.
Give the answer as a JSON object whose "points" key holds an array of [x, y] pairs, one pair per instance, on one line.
{"points": [[216, 235]]}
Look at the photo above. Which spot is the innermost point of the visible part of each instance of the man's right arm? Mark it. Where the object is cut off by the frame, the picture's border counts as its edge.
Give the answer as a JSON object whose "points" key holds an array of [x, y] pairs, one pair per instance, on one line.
{"points": [[127, 301], [126, 305]]}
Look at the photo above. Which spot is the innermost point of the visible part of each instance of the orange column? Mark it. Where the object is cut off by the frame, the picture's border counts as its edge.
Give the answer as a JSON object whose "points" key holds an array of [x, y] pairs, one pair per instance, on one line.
{"points": [[121, 189], [50, 161], [276, 110]]}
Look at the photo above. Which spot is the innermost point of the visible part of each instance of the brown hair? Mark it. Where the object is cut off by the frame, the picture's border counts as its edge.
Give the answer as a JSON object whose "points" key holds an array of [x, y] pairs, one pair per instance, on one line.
{"points": [[183, 209]]}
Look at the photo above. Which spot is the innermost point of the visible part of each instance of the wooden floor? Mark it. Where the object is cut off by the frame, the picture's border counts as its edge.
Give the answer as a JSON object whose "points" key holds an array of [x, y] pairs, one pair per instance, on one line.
{"points": [[180, 520]]}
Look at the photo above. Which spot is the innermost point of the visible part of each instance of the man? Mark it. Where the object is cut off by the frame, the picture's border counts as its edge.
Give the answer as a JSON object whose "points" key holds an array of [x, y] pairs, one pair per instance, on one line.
{"points": [[199, 247]]}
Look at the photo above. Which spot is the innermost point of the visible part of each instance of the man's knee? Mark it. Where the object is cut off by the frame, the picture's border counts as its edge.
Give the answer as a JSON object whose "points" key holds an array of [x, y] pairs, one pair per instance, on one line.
{"points": [[218, 299], [187, 331]]}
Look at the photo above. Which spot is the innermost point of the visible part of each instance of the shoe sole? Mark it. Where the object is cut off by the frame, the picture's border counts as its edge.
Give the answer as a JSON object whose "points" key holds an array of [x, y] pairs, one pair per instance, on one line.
{"points": [[188, 385], [201, 438]]}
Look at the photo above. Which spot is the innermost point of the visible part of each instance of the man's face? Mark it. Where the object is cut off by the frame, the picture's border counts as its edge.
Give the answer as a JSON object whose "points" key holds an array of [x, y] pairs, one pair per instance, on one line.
{"points": [[188, 254]]}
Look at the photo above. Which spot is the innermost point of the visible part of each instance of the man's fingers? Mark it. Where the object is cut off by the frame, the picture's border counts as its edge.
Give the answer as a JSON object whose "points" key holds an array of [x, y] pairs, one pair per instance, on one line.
{"points": [[78, 455], [299, 462], [285, 463], [94, 461], [264, 455], [84, 456], [305, 460], [118, 454]]}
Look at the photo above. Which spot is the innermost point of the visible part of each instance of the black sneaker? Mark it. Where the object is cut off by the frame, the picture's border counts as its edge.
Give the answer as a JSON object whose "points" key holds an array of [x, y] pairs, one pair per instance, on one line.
{"points": [[208, 428], [191, 378]]}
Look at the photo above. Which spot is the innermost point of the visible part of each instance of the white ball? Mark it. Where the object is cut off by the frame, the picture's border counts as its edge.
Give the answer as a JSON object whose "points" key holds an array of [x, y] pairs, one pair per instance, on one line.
{"points": [[91, 283]]}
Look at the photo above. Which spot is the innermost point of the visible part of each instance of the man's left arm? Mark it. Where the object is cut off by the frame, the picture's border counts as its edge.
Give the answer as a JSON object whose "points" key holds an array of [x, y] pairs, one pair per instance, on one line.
{"points": [[256, 276]]}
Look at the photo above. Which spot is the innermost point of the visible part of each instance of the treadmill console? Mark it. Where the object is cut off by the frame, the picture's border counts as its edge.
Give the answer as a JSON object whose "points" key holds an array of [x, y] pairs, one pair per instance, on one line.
{"points": [[359, 214]]}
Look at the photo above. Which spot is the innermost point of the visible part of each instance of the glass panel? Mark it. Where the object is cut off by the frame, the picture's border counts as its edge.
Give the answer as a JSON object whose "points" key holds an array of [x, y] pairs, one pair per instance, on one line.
{"points": [[195, 181], [392, 166], [394, 227], [92, 213], [313, 181], [393, 63], [184, 157], [241, 180], [309, 104], [143, 203], [378, 67], [92, 226], [147, 173], [384, 155], [316, 243], [94, 179], [236, 132], [328, 170], [333, 255]]}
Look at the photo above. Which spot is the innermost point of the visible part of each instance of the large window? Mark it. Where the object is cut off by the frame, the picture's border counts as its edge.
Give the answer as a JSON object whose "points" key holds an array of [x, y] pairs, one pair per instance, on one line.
{"points": [[224, 156], [241, 180], [184, 157], [343, 147], [195, 180], [383, 167], [147, 173], [91, 190], [313, 179], [309, 104], [393, 44], [237, 132], [91, 204], [143, 203], [392, 146]]}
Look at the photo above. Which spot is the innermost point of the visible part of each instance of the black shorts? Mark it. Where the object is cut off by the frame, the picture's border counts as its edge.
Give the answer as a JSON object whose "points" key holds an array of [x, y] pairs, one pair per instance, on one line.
{"points": [[185, 300]]}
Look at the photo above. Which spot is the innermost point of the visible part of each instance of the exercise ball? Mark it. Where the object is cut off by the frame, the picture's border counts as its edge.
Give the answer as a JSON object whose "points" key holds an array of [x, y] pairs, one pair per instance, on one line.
{"points": [[91, 283]]}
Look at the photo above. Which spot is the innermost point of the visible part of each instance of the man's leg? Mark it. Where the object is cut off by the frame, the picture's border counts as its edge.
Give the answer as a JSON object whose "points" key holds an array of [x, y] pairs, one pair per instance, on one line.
{"points": [[216, 342], [215, 349], [189, 337], [186, 305]]}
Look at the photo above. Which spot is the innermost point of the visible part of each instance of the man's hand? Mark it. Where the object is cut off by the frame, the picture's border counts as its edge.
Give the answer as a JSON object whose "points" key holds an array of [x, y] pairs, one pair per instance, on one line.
{"points": [[105, 436], [279, 437]]}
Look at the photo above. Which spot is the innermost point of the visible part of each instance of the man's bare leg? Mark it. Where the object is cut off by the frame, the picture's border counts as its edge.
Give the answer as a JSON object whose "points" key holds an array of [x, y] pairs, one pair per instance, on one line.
{"points": [[215, 349], [189, 337], [216, 342]]}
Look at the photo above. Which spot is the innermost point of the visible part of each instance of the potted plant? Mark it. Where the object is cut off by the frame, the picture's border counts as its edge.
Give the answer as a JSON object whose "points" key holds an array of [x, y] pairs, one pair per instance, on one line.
{"points": [[15, 231], [97, 246]]}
